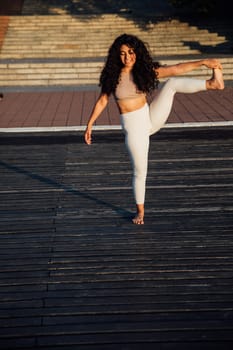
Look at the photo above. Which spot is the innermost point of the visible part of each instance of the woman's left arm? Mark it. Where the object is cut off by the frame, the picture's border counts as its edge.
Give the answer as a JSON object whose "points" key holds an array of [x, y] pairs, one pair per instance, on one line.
{"points": [[185, 67]]}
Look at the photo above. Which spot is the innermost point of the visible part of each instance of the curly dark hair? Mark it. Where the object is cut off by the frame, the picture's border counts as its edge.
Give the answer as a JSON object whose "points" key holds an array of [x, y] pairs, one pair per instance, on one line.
{"points": [[144, 75]]}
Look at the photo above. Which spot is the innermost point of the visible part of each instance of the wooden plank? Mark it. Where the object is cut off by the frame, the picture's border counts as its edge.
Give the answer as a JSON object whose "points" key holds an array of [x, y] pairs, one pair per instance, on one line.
{"points": [[75, 272]]}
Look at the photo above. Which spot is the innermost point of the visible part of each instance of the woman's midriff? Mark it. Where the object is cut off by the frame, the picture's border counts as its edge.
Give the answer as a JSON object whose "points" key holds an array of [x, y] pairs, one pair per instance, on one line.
{"points": [[130, 105]]}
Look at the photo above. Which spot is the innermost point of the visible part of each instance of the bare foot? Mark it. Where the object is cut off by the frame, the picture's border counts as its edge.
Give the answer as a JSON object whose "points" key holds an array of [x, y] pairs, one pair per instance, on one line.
{"points": [[216, 82], [138, 219]]}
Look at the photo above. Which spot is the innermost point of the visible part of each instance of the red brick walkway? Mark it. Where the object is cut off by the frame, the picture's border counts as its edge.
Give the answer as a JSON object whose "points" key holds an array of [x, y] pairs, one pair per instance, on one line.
{"points": [[7, 9], [72, 109], [4, 21]]}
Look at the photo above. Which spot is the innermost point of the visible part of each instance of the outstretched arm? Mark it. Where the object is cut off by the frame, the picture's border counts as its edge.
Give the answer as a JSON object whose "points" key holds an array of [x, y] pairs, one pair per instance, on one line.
{"points": [[100, 105], [185, 67]]}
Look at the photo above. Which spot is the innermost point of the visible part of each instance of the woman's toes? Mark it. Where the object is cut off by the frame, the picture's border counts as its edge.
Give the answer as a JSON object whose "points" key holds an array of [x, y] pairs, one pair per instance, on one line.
{"points": [[138, 220]]}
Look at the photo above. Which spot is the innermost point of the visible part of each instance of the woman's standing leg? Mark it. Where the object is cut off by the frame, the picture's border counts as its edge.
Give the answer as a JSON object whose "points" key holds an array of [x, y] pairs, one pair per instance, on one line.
{"points": [[136, 126]]}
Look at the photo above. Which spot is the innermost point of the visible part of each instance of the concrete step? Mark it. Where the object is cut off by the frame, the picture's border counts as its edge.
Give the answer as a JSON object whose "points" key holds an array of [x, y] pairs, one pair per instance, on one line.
{"points": [[89, 53], [77, 50], [78, 73], [67, 36], [70, 50], [57, 38], [110, 22], [116, 20]]}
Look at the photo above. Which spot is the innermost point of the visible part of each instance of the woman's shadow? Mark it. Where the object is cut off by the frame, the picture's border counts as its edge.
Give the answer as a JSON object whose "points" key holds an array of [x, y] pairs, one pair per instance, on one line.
{"points": [[125, 214]]}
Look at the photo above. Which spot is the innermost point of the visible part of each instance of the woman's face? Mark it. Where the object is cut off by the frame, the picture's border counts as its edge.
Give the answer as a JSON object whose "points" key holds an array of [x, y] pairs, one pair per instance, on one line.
{"points": [[128, 56]]}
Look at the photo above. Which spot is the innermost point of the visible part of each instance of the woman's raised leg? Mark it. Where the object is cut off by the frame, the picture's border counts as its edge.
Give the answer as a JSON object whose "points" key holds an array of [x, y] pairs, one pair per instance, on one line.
{"points": [[160, 107]]}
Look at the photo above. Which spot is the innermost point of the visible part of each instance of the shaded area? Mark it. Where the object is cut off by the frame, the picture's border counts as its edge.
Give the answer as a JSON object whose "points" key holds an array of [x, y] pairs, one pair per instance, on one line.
{"points": [[145, 14], [213, 24], [204, 7], [97, 7], [31, 175], [226, 47], [11, 8]]}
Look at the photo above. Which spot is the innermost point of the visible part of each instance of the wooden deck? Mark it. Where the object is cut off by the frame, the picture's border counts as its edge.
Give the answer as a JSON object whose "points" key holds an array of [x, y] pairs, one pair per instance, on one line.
{"points": [[41, 109], [76, 274]]}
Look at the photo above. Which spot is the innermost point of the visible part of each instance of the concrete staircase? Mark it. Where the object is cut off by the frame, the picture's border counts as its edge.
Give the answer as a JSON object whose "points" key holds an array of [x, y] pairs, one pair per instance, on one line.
{"points": [[69, 50]]}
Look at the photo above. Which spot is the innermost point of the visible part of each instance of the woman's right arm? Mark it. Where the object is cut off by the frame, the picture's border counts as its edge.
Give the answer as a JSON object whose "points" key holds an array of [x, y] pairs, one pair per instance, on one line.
{"points": [[185, 67], [100, 105]]}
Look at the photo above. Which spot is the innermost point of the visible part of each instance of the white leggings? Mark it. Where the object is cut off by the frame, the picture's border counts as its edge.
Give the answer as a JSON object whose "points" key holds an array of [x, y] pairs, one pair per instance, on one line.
{"points": [[140, 124]]}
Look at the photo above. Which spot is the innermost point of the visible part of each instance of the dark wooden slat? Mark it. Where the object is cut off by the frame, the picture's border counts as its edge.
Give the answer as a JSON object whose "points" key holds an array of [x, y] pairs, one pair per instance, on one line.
{"points": [[75, 273]]}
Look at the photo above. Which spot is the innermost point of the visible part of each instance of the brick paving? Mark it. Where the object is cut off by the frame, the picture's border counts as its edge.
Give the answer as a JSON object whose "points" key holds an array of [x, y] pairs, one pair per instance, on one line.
{"points": [[72, 109]]}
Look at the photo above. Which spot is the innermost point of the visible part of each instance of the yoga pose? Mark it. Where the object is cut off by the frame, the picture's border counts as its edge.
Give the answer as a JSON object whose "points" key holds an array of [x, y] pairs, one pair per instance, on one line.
{"points": [[130, 75]]}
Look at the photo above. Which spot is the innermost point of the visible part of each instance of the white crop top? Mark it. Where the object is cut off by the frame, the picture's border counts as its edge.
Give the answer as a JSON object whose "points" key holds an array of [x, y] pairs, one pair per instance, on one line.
{"points": [[126, 88]]}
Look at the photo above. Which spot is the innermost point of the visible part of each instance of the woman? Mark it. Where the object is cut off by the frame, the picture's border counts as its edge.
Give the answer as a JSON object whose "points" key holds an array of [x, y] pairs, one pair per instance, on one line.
{"points": [[130, 74]]}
